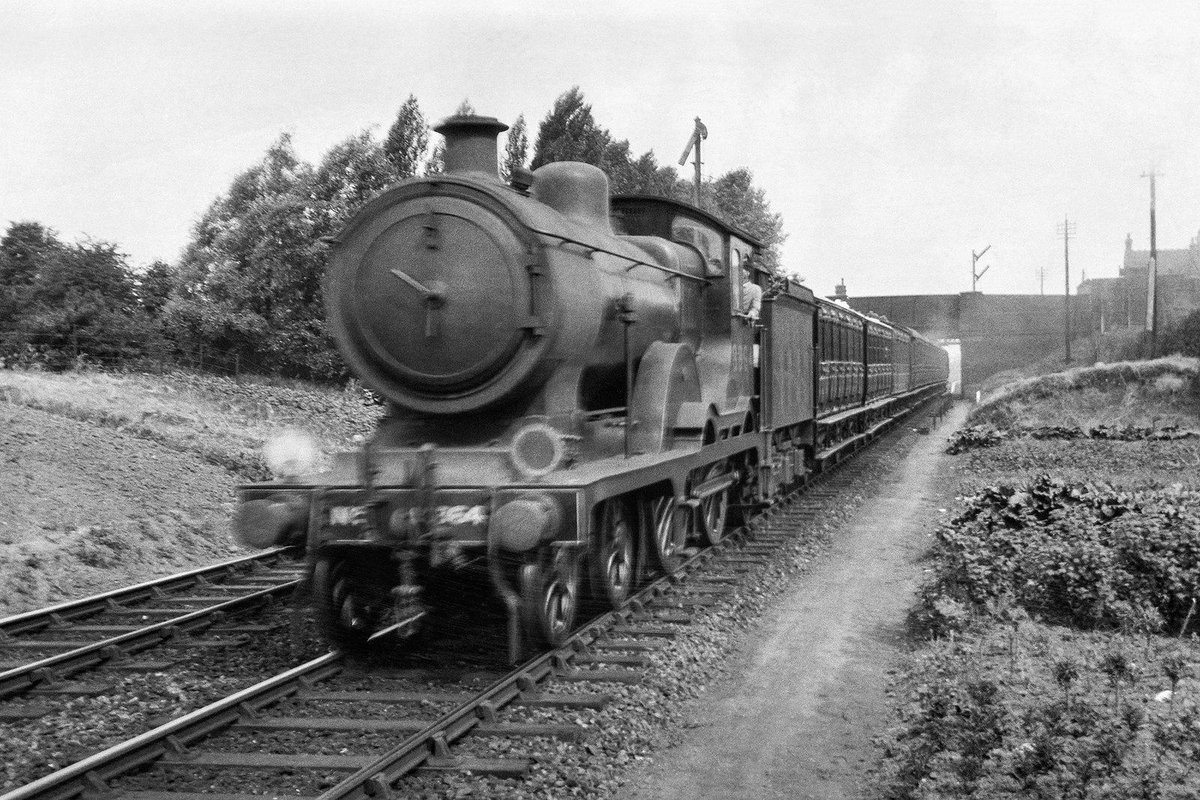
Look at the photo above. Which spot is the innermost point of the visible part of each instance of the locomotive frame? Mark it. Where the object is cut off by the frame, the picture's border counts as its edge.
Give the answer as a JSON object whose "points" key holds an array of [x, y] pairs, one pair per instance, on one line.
{"points": [[620, 405]]}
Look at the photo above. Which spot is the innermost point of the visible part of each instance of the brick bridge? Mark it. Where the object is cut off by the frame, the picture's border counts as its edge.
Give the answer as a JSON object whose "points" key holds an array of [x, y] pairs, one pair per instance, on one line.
{"points": [[996, 331]]}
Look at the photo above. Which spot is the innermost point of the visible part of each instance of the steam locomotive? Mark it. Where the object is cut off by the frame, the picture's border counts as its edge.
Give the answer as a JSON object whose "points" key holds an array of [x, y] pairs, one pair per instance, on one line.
{"points": [[580, 389]]}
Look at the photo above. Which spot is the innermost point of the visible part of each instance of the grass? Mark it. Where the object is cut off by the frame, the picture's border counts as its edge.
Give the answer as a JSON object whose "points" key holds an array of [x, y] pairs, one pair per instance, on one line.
{"points": [[1151, 394], [222, 420]]}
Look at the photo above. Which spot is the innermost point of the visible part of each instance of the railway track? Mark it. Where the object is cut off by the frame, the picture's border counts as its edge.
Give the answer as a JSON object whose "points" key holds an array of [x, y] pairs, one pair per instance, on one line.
{"points": [[329, 728], [44, 652]]}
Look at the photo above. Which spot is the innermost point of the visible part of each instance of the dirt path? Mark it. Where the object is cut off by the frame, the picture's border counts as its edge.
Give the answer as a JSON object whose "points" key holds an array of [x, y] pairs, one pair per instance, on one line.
{"points": [[796, 716]]}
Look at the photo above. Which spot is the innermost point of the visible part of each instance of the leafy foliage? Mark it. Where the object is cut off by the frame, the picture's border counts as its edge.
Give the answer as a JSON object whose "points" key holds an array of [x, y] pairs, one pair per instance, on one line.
{"points": [[154, 287], [973, 437], [735, 198], [976, 436], [407, 140], [249, 276], [516, 149], [1076, 554], [251, 280], [64, 302], [1183, 338], [249, 284], [569, 132], [436, 163], [1003, 712]]}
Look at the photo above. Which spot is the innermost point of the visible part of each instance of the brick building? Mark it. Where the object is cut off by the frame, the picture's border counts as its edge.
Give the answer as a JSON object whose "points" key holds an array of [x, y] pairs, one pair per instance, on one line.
{"points": [[1121, 302]]}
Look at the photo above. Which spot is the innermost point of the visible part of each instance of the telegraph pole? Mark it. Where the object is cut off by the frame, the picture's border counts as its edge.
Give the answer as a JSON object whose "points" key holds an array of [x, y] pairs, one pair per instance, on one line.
{"points": [[975, 276], [1152, 274], [1065, 230]]}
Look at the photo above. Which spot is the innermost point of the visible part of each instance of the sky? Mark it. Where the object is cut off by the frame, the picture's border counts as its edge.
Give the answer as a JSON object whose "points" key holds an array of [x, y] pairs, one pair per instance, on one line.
{"points": [[896, 137]]}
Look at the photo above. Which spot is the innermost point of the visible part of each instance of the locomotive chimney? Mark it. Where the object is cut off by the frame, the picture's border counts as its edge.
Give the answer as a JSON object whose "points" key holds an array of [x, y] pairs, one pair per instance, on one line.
{"points": [[471, 143]]}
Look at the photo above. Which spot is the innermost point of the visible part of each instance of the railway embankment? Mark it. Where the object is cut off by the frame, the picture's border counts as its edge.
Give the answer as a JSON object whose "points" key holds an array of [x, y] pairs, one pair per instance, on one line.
{"points": [[109, 479], [1057, 652]]}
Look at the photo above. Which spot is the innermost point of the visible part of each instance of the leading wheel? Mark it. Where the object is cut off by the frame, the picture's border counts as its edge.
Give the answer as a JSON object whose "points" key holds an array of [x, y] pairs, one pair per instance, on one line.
{"points": [[613, 568], [549, 597], [347, 612]]}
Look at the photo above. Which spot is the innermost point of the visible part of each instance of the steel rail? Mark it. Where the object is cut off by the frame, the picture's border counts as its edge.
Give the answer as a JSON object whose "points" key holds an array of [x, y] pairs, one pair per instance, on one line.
{"points": [[376, 780], [47, 670], [90, 774], [97, 603]]}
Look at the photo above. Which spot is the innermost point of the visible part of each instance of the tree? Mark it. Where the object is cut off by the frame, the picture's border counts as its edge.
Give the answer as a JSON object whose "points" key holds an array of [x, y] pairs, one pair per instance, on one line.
{"points": [[24, 249], [647, 177], [153, 287], [84, 303], [1183, 337], [349, 175], [736, 199], [249, 279], [516, 149], [436, 163], [569, 133], [407, 139]]}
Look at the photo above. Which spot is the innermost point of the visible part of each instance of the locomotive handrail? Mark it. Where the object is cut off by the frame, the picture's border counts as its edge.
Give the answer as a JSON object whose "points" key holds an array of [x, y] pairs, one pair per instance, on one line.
{"points": [[633, 262]]}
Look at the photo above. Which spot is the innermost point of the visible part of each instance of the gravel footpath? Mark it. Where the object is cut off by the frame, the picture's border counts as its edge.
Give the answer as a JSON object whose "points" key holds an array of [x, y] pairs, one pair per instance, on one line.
{"points": [[796, 716]]}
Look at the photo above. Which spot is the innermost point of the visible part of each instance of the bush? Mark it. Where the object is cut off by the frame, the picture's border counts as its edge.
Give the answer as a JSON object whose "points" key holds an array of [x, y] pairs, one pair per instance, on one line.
{"points": [[1183, 338], [1003, 713], [1070, 553]]}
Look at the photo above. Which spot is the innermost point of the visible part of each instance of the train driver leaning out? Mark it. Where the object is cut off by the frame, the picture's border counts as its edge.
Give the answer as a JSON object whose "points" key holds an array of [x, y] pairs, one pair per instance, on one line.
{"points": [[751, 297]]}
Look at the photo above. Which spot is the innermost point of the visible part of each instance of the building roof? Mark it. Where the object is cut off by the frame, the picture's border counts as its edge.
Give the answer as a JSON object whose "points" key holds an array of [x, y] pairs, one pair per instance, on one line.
{"points": [[1170, 262]]}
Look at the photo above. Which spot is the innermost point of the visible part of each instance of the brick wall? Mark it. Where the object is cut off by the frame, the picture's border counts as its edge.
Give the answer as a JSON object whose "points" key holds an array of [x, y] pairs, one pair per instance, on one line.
{"points": [[997, 332]]}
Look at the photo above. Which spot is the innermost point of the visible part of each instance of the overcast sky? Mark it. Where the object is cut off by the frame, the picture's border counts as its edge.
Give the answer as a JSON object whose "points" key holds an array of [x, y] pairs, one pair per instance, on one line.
{"points": [[895, 137]]}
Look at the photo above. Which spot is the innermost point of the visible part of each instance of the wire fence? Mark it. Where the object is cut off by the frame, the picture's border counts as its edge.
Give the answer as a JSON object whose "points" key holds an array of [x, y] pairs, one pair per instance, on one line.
{"points": [[22, 350]]}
